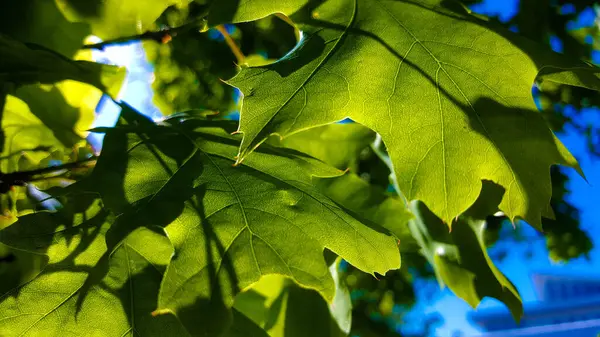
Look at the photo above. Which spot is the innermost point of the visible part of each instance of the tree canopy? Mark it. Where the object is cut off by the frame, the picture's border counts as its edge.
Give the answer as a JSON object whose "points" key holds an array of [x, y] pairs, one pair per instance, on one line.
{"points": [[376, 139]]}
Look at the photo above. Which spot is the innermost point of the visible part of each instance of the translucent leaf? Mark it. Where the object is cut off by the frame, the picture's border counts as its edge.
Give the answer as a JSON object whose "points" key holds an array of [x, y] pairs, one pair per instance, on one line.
{"points": [[339, 145], [279, 306], [116, 18], [229, 225], [28, 63], [449, 94], [86, 289], [460, 258]]}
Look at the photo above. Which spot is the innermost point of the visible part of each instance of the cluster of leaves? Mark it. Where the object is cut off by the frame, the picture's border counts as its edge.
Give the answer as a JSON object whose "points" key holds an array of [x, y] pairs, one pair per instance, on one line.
{"points": [[47, 98], [545, 21], [184, 228]]}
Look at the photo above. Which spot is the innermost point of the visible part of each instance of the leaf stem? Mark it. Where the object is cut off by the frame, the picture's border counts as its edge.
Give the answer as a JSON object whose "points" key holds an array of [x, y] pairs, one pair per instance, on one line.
{"points": [[241, 59], [376, 147], [291, 23]]}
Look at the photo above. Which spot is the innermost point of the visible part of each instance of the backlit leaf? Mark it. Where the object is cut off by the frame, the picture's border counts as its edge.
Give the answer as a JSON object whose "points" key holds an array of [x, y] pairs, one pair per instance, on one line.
{"points": [[279, 306], [85, 290], [460, 258], [111, 19], [449, 94], [372, 203], [338, 145], [229, 225]]}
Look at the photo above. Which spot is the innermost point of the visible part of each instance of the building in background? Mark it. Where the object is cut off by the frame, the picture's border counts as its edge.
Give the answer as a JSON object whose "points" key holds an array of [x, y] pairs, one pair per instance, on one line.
{"points": [[568, 305]]}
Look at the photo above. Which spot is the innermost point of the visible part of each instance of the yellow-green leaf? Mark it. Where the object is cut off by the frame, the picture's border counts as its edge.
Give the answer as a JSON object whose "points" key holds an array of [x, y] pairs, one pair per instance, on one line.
{"points": [[449, 94]]}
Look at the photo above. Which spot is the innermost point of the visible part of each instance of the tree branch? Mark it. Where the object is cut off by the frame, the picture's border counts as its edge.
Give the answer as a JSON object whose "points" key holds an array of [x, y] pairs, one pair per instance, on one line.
{"points": [[161, 36], [7, 180]]}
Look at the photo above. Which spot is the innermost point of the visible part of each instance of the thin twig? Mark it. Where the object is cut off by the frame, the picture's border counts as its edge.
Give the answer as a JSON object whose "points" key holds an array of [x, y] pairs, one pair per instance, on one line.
{"points": [[21, 178], [161, 36], [241, 59], [376, 147]]}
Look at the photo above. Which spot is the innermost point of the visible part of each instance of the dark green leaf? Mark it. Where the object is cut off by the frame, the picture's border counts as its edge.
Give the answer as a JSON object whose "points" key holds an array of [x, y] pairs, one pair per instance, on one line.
{"points": [[229, 225], [280, 307], [28, 63], [460, 259]]}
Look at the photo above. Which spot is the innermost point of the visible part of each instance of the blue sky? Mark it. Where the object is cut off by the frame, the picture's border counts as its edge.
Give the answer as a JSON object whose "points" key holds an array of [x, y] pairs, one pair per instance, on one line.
{"points": [[584, 195]]}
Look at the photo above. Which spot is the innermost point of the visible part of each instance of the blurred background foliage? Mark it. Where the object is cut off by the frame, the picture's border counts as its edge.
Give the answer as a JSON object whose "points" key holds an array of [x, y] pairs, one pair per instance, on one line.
{"points": [[189, 69]]}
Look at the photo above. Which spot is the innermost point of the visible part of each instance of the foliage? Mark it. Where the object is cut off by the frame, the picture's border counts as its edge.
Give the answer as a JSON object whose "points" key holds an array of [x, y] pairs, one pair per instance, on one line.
{"points": [[545, 22], [183, 228]]}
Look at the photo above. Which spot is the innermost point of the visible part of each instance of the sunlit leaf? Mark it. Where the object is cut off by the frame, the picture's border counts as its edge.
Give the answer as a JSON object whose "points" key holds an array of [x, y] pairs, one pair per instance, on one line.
{"points": [[449, 94], [279, 305], [116, 18], [339, 145], [85, 289], [23, 132], [372, 203]]}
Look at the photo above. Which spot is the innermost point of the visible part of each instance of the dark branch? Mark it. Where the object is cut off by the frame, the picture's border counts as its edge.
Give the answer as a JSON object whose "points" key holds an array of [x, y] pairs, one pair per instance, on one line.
{"points": [[161, 36], [8, 180]]}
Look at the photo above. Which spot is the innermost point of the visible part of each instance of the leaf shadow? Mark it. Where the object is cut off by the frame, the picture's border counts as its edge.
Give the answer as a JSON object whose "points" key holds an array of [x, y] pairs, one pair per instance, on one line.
{"points": [[221, 11], [181, 193], [32, 236], [41, 22], [53, 110], [86, 8]]}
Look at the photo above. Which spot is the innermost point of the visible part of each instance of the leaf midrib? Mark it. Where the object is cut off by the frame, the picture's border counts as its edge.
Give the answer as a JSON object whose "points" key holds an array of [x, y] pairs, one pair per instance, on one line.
{"points": [[314, 71]]}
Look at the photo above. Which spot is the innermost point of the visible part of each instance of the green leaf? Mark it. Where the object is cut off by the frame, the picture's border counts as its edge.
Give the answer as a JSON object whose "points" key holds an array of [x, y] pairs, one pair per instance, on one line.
{"points": [[86, 289], [373, 204], [338, 145], [460, 258], [50, 118], [23, 132], [341, 145], [449, 94], [226, 11], [29, 63], [244, 327], [41, 119], [229, 225], [279, 305], [111, 19], [41, 22]]}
